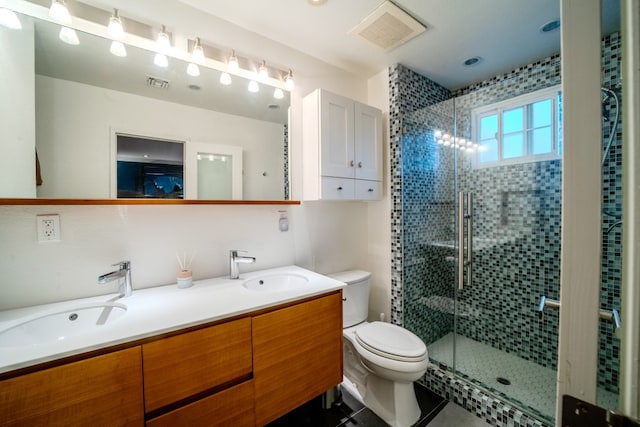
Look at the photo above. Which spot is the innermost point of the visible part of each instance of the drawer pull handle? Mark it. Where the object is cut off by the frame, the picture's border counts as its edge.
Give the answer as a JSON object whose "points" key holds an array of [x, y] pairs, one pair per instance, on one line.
{"points": [[339, 188], [359, 164], [370, 190], [351, 163]]}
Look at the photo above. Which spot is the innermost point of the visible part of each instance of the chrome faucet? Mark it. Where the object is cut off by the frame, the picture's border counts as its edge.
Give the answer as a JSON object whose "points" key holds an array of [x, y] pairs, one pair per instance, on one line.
{"points": [[123, 272], [234, 260]]}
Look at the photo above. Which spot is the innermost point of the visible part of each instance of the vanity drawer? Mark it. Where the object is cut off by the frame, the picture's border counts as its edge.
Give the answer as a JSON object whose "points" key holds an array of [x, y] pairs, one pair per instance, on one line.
{"points": [[102, 390], [184, 365], [231, 407]]}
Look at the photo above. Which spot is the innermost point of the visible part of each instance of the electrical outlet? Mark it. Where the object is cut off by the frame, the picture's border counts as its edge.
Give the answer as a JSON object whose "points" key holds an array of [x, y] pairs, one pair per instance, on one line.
{"points": [[48, 228]]}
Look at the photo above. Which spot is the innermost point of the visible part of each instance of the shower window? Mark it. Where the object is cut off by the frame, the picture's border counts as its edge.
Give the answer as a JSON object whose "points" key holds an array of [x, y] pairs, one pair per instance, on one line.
{"points": [[520, 130]]}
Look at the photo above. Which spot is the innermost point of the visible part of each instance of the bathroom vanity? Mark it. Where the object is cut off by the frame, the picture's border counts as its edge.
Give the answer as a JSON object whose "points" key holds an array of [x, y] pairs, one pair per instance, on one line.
{"points": [[244, 369]]}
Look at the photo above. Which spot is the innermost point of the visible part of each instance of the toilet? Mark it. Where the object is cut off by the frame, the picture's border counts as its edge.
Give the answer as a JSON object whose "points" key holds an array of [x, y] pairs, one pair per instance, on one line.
{"points": [[381, 360]]}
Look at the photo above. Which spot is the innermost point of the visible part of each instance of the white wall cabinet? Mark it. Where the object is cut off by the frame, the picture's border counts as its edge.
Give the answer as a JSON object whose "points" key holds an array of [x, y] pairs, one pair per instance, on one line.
{"points": [[342, 148]]}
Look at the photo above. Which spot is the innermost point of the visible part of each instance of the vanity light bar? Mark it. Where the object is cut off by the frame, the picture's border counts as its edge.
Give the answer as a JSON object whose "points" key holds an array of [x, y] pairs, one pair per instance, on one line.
{"points": [[93, 20]]}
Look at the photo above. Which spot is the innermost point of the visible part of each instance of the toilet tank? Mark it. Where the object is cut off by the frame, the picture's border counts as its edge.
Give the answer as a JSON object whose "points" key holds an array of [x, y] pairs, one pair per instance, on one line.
{"points": [[355, 304]]}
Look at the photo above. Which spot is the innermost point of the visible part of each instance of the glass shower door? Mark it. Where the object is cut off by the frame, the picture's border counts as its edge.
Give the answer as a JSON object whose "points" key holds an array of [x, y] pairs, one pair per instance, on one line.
{"points": [[508, 186]]}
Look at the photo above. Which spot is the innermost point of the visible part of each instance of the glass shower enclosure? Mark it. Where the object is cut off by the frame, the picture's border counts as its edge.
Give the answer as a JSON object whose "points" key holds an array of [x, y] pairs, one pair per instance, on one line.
{"points": [[482, 239]]}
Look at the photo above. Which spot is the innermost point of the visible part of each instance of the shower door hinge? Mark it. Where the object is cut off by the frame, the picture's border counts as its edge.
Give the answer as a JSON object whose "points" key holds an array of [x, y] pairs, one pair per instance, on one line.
{"points": [[576, 412]]}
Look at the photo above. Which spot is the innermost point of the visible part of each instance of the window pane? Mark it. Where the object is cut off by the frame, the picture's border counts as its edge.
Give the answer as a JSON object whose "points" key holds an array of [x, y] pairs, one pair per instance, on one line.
{"points": [[541, 113], [541, 140], [512, 120], [512, 146], [488, 126], [488, 150]]}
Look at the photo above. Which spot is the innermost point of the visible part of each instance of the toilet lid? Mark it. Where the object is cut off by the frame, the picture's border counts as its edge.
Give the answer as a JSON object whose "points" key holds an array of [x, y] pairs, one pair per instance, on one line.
{"points": [[391, 341]]}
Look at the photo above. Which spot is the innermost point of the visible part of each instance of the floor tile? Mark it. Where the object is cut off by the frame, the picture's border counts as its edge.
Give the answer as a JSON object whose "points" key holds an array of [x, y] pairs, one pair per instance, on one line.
{"points": [[453, 415]]}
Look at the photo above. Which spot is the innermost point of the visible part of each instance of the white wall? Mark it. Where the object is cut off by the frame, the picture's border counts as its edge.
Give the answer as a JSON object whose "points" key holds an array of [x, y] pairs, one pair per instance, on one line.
{"points": [[379, 213], [324, 236], [17, 118], [75, 124]]}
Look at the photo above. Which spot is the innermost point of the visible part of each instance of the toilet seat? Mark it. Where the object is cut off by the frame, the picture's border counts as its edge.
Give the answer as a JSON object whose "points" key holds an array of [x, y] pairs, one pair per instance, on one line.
{"points": [[391, 342]]}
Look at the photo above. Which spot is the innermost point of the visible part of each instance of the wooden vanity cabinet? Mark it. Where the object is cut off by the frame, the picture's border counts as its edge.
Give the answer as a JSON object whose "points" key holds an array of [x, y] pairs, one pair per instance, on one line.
{"points": [[102, 390], [243, 372], [297, 355], [196, 363]]}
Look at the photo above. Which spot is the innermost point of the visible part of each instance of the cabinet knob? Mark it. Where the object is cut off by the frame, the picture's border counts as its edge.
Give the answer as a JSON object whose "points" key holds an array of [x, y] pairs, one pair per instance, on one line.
{"points": [[339, 188], [370, 190], [351, 163], [359, 164]]}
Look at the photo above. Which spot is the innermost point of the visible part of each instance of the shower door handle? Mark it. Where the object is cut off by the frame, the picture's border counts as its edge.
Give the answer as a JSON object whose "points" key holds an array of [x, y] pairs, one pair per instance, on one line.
{"points": [[465, 218]]}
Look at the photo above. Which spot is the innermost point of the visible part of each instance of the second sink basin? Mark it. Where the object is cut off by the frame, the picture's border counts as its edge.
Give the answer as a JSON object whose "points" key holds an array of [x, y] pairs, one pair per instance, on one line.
{"points": [[57, 326], [275, 282]]}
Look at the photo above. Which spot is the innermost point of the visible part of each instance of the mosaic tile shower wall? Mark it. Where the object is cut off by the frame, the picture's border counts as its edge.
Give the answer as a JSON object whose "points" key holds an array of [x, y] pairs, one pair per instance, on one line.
{"points": [[609, 345], [523, 199], [408, 91]]}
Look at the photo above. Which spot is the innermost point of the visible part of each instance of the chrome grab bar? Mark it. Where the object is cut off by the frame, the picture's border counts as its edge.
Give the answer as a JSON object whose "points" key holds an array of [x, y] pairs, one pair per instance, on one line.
{"points": [[610, 315], [465, 218]]}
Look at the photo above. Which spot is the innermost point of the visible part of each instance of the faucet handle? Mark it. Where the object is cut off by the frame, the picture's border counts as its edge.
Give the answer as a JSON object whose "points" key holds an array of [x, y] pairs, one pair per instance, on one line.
{"points": [[235, 252], [124, 265]]}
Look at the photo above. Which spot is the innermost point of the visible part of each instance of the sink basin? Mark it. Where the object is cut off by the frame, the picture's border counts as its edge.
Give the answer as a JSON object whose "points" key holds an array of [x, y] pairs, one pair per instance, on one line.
{"points": [[58, 326], [275, 282]]}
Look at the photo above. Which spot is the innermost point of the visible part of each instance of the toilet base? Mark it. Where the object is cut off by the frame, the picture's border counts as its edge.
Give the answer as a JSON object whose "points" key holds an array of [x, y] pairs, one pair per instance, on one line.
{"points": [[394, 402]]}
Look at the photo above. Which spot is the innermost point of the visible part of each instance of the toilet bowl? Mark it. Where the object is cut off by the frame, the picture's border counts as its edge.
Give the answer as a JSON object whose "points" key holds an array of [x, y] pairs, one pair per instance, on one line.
{"points": [[381, 360]]}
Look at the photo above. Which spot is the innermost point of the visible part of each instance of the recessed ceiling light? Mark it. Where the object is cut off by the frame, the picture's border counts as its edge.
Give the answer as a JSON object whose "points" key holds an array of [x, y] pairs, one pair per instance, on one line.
{"points": [[472, 61], [550, 26], [316, 2]]}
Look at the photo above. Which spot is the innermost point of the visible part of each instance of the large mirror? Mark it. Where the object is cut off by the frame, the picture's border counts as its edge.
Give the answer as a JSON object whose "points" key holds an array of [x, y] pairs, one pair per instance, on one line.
{"points": [[82, 109]]}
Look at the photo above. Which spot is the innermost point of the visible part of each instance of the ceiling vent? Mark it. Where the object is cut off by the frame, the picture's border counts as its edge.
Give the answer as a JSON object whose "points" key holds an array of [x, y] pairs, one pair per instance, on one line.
{"points": [[157, 83], [388, 27]]}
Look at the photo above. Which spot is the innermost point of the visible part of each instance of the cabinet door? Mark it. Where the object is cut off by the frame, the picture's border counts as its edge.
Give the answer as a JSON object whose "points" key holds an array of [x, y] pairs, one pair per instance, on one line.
{"points": [[103, 390], [297, 355], [230, 407], [184, 365], [336, 136], [368, 142]]}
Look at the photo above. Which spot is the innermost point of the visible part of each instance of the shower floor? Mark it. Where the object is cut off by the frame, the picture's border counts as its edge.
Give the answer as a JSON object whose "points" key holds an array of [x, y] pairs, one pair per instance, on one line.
{"points": [[532, 385]]}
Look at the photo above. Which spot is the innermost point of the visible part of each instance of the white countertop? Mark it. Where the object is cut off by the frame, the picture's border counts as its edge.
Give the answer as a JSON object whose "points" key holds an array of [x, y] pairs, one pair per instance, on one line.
{"points": [[155, 311]]}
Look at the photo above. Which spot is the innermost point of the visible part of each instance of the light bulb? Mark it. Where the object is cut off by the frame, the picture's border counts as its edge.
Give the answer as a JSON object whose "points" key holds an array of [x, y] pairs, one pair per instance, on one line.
{"points": [[288, 82], [233, 65], [59, 12], [263, 73], [253, 86], [118, 49], [278, 93], [69, 36], [198, 52], [161, 60], [193, 70], [163, 44], [225, 79], [115, 29], [9, 19]]}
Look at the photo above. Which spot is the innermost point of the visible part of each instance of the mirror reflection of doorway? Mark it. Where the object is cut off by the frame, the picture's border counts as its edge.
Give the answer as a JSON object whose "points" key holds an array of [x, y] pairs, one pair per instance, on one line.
{"points": [[214, 176], [149, 168], [213, 171]]}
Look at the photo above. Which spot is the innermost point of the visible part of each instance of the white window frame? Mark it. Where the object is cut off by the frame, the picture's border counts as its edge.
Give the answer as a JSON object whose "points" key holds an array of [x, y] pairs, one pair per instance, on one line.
{"points": [[499, 108]]}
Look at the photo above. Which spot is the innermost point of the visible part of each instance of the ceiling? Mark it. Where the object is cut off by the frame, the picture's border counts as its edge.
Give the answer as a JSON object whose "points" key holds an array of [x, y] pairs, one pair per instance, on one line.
{"points": [[503, 33]]}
